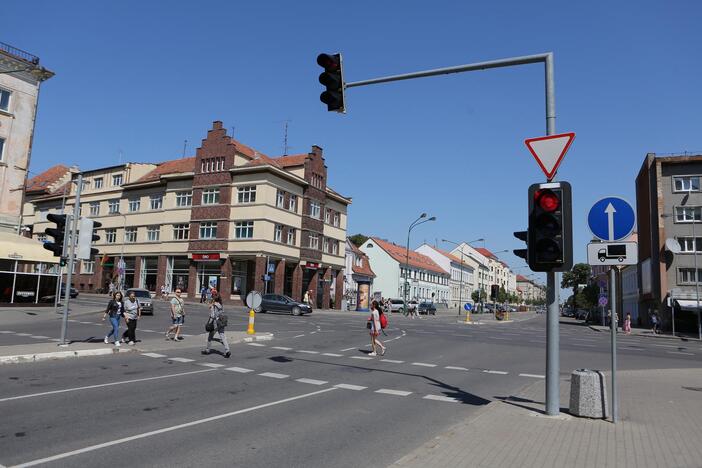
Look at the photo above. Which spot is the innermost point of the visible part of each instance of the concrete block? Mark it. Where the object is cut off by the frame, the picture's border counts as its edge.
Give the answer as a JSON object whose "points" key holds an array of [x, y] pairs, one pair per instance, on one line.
{"points": [[588, 394]]}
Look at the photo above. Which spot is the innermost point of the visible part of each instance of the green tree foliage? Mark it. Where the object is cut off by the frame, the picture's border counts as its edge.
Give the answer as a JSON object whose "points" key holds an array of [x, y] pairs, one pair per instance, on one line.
{"points": [[579, 274], [358, 239]]}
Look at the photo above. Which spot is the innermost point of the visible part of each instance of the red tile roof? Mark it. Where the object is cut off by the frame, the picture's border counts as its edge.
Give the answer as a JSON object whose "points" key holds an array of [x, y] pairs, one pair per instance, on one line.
{"points": [[42, 182], [292, 160], [417, 260], [453, 257], [523, 279], [486, 252], [365, 268], [174, 166]]}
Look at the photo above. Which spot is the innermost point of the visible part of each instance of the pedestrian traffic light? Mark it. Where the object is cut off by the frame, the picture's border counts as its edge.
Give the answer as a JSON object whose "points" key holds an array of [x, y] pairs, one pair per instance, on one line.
{"points": [[549, 239], [86, 237], [58, 233], [522, 236], [333, 79], [494, 291]]}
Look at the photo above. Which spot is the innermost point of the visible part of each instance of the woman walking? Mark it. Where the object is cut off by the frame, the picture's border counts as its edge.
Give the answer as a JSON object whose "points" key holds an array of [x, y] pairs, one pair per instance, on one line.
{"points": [[115, 310], [375, 327], [132, 312], [177, 317], [627, 323], [217, 322]]}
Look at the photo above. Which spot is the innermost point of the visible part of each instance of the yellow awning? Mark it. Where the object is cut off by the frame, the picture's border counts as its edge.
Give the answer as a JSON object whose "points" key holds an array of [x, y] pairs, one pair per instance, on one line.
{"points": [[16, 247]]}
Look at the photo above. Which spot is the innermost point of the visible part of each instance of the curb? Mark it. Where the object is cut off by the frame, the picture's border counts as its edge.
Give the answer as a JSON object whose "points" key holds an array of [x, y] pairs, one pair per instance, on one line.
{"points": [[22, 358]]}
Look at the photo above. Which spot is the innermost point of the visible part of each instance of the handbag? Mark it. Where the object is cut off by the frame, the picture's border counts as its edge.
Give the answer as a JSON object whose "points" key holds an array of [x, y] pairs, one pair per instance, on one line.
{"points": [[209, 326], [369, 325]]}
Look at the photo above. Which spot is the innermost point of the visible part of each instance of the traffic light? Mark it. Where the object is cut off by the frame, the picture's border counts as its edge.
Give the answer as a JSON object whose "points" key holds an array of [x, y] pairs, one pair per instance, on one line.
{"points": [[523, 253], [86, 237], [333, 79], [549, 239], [58, 233], [494, 291]]}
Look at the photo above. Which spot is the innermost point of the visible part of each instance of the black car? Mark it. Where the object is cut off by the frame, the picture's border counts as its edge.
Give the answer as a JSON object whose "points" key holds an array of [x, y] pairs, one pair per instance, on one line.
{"points": [[52, 297], [426, 308], [278, 303]]}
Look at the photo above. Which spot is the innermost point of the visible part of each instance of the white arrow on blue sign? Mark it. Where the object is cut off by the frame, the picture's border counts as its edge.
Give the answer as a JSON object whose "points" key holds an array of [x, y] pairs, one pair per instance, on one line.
{"points": [[611, 219], [467, 306]]}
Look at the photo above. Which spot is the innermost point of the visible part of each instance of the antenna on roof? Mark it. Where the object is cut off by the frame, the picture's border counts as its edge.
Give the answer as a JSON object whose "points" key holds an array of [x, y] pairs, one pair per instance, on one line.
{"points": [[120, 156], [185, 147], [285, 137], [233, 128]]}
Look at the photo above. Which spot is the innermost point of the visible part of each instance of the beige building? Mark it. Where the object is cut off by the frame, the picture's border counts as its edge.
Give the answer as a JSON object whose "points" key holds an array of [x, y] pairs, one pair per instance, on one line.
{"points": [[230, 217]]}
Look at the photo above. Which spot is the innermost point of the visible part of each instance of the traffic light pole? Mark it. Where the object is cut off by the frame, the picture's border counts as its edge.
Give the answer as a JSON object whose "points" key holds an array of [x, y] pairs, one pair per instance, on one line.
{"points": [[71, 258]]}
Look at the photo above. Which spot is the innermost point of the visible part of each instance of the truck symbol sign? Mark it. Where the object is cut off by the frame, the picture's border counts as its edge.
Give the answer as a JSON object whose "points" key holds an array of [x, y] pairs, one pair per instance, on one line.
{"points": [[614, 251]]}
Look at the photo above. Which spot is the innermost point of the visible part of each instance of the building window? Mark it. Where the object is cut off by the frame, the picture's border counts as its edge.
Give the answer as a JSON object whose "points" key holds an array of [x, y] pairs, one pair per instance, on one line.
{"points": [[88, 267], [184, 198], [247, 194], [4, 100], [181, 231], [110, 236], [113, 206], [97, 182], [292, 206], [208, 230], [325, 245], [153, 233], [210, 196], [280, 199], [335, 248], [686, 184], [336, 219], [156, 202], [291, 236], [313, 241], [686, 214], [327, 216], [130, 234], [687, 244], [94, 208], [315, 210], [687, 275], [134, 204], [2, 149], [116, 180], [317, 181], [278, 234], [244, 230]]}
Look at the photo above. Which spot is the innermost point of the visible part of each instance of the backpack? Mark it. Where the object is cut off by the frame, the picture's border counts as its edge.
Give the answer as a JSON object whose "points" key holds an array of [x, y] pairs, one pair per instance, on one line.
{"points": [[222, 320], [383, 321]]}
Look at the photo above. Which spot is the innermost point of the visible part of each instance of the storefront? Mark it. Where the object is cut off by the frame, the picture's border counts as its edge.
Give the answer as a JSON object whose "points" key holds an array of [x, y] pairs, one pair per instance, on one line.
{"points": [[28, 272], [209, 271]]}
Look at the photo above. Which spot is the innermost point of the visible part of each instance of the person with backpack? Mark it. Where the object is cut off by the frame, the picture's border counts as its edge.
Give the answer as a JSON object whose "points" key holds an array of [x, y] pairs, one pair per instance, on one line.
{"points": [[115, 310], [132, 312], [376, 322], [217, 322], [177, 317]]}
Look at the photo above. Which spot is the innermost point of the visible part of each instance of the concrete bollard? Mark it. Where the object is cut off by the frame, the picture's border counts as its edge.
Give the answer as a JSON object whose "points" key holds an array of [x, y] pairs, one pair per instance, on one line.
{"points": [[588, 394]]}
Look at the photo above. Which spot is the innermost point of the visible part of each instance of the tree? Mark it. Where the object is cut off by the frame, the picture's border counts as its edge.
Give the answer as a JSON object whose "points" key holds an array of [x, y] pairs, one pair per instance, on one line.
{"points": [[501, 295], [579, 274], [478, 296], [358, 239]]}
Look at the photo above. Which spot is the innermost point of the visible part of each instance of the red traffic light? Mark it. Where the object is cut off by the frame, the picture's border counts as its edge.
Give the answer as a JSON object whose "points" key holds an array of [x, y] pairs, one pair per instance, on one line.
{"points": [[547, 200], [329, 62]]}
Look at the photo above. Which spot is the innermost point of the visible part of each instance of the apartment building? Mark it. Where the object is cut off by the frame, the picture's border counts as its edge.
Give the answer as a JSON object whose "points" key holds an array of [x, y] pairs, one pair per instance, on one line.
{"points": [[529, 290], [461, 271], [229, 217], [358, 278], [480, 265]]}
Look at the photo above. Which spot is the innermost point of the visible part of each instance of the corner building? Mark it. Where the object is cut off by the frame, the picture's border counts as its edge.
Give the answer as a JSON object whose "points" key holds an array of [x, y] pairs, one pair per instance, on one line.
{"points": [[230, 217]]}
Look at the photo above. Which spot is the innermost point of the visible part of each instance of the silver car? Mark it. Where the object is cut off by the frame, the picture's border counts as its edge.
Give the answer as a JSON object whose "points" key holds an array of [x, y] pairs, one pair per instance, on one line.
{"points": [[144, 298]]}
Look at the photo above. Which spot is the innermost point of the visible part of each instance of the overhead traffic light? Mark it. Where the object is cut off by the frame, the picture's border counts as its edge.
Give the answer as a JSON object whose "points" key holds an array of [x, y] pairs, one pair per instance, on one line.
{"points": [[494, 291], [333, 79], [549, 239], [522, 236], [58, 233], [86, 237]]}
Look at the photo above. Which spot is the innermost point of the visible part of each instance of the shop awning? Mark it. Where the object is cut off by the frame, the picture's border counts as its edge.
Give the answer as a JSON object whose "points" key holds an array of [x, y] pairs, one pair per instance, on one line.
{"points": [[688, 304], [16, 247]]}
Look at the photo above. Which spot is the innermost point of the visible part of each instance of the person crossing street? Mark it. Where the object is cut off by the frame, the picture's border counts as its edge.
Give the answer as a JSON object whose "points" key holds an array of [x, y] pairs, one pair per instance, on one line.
{"points": [[132, 312], [217, 322]]}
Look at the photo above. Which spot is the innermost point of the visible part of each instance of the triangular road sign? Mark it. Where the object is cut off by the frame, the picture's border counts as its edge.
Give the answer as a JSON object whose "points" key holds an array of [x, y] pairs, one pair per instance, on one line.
{"points": [[549, 151]]}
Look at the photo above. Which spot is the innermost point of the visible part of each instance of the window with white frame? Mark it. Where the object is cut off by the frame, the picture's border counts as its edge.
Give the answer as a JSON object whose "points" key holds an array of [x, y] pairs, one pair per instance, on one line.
{"points": [[153, 233], [184, 198], [156, 202], [130, 234], [134, 204], [291, 236], [335, 247], [292, 205], [686, 184], [181, 231], [278, 233], [210, 196], [280, 199], [208, 230], [687, 275], [4, 100], [327, 216], [243, 230], [88, 267], [688, 214], [2, 149], [110, 236], [325, 245], [315, 210], [313, 241], [335, 221], [687, 244], [116, 180], [97, 182], [247, 194], [95, 208], [113, 206]]}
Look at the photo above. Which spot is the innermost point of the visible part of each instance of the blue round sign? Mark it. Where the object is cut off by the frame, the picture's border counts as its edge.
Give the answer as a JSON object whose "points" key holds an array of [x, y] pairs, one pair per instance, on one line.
{"points": [[611, 219], [467, 306]]}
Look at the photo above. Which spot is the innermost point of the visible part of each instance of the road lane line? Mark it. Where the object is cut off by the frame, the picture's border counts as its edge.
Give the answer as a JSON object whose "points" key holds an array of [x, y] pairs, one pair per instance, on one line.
{"points": [[350, 387], [332, 354], [680, 352], [307, 352], [423, 364], [144, 435], [255, 344], [210, 364], [347, 349], [180, 359], [392, 361], [455, 368], [499, 372], [241, 370], [39, 337], [440, 398], [88, 387], [23, 334], [273, 375], [535, 376], [153, 355], [363, 358], [388, 391], [298, 336], [312, 381], [282, 348]]}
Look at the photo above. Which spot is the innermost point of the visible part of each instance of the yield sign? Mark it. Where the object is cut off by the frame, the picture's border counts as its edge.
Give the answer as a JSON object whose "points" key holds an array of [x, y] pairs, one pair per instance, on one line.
{"points": [[549, 151]]}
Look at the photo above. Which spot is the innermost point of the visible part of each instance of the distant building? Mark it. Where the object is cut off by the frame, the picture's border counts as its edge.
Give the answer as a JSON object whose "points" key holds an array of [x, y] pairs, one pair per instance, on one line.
{"points": [[461, 271], [358, 278]]}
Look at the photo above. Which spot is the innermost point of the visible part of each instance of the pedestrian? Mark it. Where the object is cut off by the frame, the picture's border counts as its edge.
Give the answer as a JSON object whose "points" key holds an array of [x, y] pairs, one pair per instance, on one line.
{"points": [[203, 294], [627, 323], [655, 321], [375, 328], [177, 317], [132, 312], [208, 295], [306, 297], [111, 289], [217, 322], [115, 310], [164, 293]]}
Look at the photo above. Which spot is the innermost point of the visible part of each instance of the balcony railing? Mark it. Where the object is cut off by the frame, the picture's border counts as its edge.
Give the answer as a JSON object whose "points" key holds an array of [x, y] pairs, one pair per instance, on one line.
{"points": [[19, 53]]}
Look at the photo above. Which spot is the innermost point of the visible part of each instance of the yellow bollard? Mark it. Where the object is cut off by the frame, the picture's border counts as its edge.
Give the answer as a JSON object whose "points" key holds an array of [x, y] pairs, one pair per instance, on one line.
{"points": [[252, 316], [468, 317]]}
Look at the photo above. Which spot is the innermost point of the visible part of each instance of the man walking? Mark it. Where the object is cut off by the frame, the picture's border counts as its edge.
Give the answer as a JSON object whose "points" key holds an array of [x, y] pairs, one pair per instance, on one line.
{"points": [[132, 312], [177, 317]]}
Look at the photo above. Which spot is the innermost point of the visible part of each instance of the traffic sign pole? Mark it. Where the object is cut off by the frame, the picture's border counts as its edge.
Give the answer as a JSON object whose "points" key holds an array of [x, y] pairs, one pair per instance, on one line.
{"points": [[613, 330]]}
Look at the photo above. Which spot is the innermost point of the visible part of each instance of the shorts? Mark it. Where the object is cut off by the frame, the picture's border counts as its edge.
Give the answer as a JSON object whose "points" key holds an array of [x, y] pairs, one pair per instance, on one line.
{"points": [[178, 320]]}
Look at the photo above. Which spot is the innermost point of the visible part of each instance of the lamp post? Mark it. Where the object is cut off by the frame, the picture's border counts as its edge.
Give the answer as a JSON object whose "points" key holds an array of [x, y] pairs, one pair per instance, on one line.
{"points": [[460, 287], [120, 267], [414, 224]]}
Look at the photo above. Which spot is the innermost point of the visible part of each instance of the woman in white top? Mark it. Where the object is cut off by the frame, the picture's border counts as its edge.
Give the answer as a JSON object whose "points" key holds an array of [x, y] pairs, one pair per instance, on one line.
{"points": [[375, 328]]}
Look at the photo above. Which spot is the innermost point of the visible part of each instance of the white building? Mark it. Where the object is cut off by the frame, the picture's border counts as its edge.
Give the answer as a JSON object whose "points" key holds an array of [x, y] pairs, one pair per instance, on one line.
{"points": [[427, 280], [358, 278], [462, 273], [481, 265]]}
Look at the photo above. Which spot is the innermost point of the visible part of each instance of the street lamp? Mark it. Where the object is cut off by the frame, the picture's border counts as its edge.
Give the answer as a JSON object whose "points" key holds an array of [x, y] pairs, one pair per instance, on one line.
{"points": [[120, 267], [414, 224], [460, 287]]}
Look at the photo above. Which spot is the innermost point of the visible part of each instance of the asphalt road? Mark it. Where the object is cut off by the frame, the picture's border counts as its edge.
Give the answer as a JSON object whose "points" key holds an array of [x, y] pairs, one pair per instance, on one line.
{"points": [[311, 397]]}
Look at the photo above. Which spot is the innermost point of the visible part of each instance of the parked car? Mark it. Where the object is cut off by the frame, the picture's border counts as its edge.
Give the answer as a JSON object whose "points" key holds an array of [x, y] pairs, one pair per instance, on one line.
{"points": [[52, 297], [396, 305], [426, 308], [278, 303], [581, 314], [144, 298]]}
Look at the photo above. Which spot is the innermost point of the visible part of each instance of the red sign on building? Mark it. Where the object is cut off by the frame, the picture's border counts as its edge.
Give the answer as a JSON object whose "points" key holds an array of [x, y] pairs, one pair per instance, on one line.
{"points": [[209, 257]]}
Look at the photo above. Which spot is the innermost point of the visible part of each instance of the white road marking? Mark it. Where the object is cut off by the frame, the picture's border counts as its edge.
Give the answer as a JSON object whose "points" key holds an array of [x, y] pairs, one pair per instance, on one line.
{"points": [[23, 334], [423, 364], [455, 368], [393, 361], [54, 339], [282, 348], [111, 443], [312, 381], [180, 359], [39, 337], [298, 336], [153, 355], [665, 346], [680, 352], [440, 398], [388, 391], [149, 331], [499, 372], [535, 376], [363, 358], [273, 375], [209, 364], [350, 387], [88, 387], [307, 352], [5, 332], [255, 344], [347, 349], [582, 344], [241, 370], [332, 354]]}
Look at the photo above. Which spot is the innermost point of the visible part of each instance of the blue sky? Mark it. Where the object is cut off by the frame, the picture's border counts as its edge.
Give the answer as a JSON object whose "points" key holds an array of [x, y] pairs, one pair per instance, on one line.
{"points": [[141, 77]]}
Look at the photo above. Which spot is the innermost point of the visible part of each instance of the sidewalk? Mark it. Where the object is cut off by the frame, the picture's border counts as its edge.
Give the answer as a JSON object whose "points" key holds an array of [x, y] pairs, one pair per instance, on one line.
{"points": [[660, 426], [646, 332]]}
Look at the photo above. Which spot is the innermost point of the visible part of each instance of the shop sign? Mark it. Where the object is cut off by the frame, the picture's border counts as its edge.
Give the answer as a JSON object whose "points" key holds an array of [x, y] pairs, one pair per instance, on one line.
{"points": [[210, 257], [24, 293], [312, 265]]}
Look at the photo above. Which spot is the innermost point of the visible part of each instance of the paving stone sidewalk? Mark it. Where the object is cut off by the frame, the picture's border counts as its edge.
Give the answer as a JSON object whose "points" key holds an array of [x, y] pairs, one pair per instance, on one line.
{"points": [[660, 426]]}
